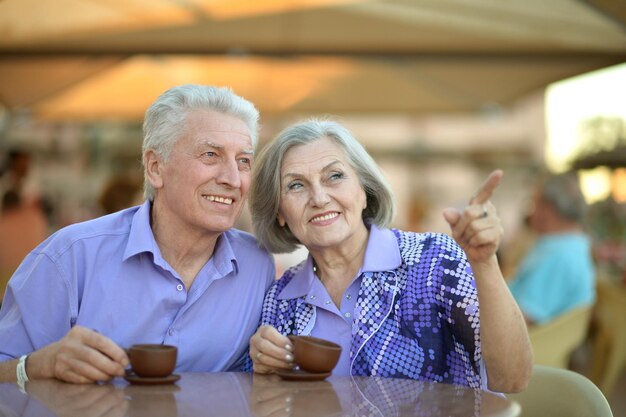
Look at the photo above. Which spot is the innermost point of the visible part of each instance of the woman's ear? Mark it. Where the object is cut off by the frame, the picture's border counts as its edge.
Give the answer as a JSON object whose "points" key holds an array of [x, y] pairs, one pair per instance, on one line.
{"points": [[154, 167], [281, 220]]}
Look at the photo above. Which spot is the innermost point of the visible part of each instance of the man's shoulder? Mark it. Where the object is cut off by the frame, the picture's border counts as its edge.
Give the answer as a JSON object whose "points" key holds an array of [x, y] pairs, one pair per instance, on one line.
{"points": [[241, 240], [99, 228]]}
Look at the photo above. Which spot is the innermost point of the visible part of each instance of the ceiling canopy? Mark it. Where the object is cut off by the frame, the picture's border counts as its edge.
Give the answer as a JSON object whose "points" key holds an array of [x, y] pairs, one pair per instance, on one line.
{"points": [[90, 59]]}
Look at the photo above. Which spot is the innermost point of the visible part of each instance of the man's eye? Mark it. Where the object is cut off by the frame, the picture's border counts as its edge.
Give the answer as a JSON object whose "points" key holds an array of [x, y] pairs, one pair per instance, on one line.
{"points": [[209, 154], [245, 161]]}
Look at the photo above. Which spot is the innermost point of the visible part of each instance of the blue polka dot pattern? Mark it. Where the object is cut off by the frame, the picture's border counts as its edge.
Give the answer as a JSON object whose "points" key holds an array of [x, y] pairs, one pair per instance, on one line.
{"points": [[420, 321]]}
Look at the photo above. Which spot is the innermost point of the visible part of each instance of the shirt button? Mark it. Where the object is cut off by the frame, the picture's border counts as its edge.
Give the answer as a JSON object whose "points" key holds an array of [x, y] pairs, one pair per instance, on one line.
{"points": [[348, 315], [179, 287], [328, 302], [312, 297], [170, 332], [348, 296]]}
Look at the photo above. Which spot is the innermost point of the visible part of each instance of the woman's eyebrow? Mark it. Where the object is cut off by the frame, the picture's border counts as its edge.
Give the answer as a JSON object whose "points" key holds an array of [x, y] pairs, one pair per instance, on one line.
{"points": [[331, 164], [325, 168]]}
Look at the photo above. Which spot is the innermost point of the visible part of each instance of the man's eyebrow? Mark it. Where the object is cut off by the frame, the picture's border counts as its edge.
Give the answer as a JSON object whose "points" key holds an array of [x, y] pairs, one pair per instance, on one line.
{"points": [[217, 146], [212, 144]]}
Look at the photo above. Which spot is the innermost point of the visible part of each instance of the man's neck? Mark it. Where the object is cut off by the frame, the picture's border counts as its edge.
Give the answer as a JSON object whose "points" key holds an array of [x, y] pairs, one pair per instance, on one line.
{"points": [[563, 226], [186, 250]]}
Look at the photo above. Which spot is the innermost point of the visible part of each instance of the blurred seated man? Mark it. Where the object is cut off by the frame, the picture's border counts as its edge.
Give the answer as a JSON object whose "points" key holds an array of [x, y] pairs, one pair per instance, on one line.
{"points": [[22, 227], [170, 271], [557, 274]]}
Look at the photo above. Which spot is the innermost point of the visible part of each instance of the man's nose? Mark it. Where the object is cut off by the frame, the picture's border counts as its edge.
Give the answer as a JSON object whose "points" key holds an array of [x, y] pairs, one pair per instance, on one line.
{"points": [[229, 174]]}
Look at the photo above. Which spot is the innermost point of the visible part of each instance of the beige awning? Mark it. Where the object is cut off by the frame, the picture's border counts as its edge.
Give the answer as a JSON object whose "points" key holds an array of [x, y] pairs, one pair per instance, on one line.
{"points": [[111, 58]]}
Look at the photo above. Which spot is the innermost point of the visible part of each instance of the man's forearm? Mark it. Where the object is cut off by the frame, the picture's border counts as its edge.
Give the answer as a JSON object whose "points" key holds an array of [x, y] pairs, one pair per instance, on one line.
{"points": [[7, 371]]}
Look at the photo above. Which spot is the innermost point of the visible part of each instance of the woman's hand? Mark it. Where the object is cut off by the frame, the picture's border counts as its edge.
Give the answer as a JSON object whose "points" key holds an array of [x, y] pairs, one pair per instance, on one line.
{"points": [[270, 350], [477, 228], [503, 333]]}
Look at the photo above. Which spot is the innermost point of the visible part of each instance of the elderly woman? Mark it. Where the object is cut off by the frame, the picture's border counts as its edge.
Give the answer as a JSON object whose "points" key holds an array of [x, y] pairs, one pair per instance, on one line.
{"points": [[401, 304]]}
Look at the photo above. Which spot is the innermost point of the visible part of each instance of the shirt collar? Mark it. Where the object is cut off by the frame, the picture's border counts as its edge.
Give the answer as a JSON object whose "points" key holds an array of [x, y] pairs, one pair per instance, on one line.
{"points": [[301, 282], [141, 239], [382, 254], [224, 257]]}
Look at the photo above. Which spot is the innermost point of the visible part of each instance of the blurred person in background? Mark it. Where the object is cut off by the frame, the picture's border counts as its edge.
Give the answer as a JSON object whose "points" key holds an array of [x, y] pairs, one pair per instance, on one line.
{"points": [[16, 176], [170, 271], [22, 227], [557, 274], [120, 192], [401, 304]]}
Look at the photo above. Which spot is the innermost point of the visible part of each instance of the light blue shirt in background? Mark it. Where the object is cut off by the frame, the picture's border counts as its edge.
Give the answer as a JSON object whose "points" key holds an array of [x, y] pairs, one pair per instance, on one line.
{"points": [[108, 274], [556, 276]]}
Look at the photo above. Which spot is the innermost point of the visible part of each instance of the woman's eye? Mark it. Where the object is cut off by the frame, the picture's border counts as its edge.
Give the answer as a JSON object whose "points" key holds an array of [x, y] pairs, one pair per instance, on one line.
{"points": [[336, 175], [245, 161], [294, 186]]}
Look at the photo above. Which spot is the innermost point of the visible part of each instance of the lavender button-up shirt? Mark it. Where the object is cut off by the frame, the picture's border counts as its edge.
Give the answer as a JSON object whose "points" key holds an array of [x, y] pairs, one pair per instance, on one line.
{"points": [[108, 274]]}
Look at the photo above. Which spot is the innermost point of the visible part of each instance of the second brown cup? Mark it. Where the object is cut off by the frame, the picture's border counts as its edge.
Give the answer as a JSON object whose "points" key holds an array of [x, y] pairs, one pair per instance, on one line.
{"points": [[152, 360], [313, 354]]}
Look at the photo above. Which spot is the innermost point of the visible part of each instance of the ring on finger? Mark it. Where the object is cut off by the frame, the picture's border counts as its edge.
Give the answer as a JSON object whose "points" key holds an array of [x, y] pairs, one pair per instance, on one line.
{"points": [[485, 213], [258, 355]]}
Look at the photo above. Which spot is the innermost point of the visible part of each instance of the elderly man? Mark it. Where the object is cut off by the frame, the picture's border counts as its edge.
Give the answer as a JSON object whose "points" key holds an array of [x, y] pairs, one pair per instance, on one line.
{"points": [[169, 271], [557, 274]]}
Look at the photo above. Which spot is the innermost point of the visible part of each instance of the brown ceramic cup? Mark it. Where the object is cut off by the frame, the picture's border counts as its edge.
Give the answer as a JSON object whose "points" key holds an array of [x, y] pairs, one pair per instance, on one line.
{"points": [[313, 354], [152, 360]]}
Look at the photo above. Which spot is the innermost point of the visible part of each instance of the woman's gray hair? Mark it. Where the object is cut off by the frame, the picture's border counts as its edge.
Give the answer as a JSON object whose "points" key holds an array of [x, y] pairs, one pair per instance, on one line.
{"points": [[265, 189], [563, 193], [164, 121]]}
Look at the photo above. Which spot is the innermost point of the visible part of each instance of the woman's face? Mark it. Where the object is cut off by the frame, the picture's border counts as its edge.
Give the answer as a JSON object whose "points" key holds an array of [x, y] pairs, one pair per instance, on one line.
{"points": [[321, 197]]}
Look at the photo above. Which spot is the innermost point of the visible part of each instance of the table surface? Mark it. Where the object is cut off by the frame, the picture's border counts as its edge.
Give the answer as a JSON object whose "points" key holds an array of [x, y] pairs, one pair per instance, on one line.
{"points": [[239, 394]]}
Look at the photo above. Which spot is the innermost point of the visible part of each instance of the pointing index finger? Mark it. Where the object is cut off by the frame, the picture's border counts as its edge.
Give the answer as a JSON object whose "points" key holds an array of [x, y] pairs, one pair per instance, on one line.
{"points": [[484, 192]]}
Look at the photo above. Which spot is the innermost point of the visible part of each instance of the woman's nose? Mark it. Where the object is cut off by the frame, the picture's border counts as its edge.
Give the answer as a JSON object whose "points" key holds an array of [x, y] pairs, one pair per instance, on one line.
{"points": [[319, 197]]}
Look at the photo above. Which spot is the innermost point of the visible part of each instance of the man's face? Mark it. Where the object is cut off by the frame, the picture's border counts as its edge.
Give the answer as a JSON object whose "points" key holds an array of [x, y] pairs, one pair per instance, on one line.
{"points": [[541, 215], [203, 185]]}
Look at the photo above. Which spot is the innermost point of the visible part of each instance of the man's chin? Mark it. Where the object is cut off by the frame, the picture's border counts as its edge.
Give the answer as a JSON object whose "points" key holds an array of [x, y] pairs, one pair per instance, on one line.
{"points": [[220, 227]]}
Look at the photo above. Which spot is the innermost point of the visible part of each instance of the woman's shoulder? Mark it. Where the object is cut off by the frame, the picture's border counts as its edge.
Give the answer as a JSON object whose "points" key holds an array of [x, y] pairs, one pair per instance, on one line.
{"points": [[413, 241], [287, 276], [291, 272]]}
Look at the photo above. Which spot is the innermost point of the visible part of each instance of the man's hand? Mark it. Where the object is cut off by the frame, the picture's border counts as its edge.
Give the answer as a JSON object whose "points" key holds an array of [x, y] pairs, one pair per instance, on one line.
{"points": [[477, 228], [82, 356]]}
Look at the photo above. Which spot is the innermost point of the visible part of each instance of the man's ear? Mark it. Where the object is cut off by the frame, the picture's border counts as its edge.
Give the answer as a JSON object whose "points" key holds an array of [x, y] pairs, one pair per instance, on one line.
{"points": [[154, 167]]}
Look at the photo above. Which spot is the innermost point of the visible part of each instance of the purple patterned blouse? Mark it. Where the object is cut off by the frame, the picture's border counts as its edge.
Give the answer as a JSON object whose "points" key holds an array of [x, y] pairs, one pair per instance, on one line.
{"points": [[420, 320]]}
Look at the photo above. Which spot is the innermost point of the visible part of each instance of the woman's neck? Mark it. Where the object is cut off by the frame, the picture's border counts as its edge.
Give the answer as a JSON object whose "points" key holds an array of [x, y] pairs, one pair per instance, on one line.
{"points": [[336, 267]]}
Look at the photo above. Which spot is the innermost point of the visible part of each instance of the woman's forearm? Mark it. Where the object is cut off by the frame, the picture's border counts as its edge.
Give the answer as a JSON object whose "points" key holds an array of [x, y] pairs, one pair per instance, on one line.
{"points": [[505, 344]]}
